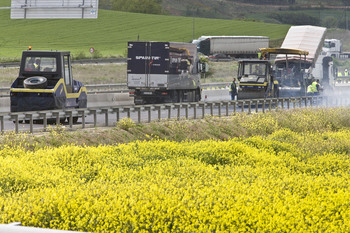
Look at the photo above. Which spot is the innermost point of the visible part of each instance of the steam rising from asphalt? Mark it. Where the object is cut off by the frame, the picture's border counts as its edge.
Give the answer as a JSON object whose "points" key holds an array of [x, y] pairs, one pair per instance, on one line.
{"points": [[337, 95]]}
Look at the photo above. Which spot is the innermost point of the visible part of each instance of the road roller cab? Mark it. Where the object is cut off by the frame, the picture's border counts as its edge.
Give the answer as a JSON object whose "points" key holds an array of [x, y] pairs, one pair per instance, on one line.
{"points": [[45, 82]]}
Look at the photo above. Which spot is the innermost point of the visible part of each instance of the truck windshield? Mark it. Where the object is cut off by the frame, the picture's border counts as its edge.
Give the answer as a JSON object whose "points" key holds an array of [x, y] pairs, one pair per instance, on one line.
{"points": [[254, 68], [42, 64]]}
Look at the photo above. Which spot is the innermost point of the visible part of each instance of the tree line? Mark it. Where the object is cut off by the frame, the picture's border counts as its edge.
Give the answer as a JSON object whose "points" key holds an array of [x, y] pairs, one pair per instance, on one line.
{"points": [[267, 2], [137, 6]]}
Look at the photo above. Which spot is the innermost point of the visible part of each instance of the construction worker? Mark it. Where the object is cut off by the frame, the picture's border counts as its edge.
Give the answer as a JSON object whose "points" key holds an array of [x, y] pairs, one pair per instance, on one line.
{"points": [[339, 75], [316, 87], [37, 64], [346, 74], [312, 89], [233, 89]]}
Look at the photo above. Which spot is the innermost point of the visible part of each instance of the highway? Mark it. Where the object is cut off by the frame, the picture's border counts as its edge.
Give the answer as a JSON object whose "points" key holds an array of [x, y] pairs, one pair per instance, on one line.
{"points": [[105, 109]]}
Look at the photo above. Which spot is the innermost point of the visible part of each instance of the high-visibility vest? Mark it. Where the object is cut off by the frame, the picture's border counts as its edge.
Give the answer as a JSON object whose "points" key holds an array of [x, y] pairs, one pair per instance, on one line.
{"points": [[234, 86], [309, 89], [339, 74], [346, 73]]}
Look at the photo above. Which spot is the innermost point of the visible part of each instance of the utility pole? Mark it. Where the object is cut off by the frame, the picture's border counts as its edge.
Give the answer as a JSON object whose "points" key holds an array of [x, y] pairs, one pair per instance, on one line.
{"points": [[346, 20], [193, 25]]}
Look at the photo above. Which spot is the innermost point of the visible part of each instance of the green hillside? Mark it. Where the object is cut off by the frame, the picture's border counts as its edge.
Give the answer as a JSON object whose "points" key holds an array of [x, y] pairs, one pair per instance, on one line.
{"points": [[110, 32]]}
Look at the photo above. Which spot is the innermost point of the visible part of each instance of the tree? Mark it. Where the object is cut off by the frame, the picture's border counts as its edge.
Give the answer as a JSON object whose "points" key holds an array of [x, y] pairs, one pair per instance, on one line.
{"points": [[330, 22], [138, 6], [105, 4]]}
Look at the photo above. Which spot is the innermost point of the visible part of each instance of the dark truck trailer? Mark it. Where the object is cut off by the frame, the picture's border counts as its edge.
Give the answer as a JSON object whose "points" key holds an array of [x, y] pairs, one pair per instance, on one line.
{"points": [[45, 82], [163, 72]]}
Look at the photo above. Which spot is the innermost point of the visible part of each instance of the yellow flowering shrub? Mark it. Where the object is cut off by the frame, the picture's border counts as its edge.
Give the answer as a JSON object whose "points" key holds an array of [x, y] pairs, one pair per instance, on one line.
{"points": [[283, 182]]}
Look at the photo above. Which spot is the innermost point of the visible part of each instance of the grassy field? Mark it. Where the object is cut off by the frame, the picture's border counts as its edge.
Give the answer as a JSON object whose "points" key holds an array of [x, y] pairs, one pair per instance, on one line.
{"points": [[116, 73], [110, 32]]}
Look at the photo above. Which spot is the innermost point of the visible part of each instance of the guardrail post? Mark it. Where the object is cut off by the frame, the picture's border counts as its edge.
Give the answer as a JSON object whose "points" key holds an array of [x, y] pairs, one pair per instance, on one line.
{"points": [[94, 113], [305, 100], [203, 110], [178, 111], [249, 107], [82, 112], [57, 114], [186, 110], [148, 109], [128, 112], [234, 107], [270, 103], [194, 106], [263, 105], [2, 124], [138, 110], [168, 107], [44, 116], [70, 118], [276, 104], [226, 106], [30, 115], [311, 101], [282, 103], [105, 111], [117, 112], [16, 123], [158, 108], [219, 108], [211, 109]]}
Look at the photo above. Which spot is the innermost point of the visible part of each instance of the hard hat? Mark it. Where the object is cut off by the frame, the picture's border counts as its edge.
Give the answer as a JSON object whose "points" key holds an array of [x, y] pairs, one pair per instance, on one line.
{"points": [[346, 69]]}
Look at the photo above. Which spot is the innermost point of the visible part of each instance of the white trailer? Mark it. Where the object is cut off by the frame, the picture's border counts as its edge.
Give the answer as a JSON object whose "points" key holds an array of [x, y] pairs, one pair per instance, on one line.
{"points": [[309, 38], [317, 64], [234, 46]]}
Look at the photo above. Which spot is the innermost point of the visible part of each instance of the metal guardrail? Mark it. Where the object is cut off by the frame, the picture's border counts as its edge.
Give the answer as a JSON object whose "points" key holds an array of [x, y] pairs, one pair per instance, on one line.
{"points": [[181, 110], [114, 88], [80, 61]]}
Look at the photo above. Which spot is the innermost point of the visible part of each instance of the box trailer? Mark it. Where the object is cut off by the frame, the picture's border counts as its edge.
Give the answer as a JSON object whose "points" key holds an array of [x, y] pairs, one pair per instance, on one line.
{"points": [[234, 46]]}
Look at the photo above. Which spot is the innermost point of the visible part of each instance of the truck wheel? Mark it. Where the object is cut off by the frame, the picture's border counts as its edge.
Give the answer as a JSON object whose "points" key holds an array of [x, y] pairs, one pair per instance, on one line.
{"points": [[197, 95], [35, 82], [75, 120]]}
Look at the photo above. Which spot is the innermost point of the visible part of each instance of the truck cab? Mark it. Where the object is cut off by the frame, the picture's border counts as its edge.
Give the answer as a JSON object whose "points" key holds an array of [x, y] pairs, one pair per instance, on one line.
{"points": [[45, 82]]}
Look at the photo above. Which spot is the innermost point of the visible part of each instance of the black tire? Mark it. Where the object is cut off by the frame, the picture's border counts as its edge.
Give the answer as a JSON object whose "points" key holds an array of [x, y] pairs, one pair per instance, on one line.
{"points": [[35, 82], [62, 120], [75, 120]]}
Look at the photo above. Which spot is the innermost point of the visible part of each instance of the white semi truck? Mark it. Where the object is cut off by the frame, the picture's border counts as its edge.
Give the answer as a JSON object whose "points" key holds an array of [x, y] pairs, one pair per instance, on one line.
{"points": [[234, 46]]}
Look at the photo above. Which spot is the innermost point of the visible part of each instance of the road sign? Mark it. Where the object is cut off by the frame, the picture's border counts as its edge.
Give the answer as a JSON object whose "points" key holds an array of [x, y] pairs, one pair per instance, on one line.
{"points": [[92, 50]]}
